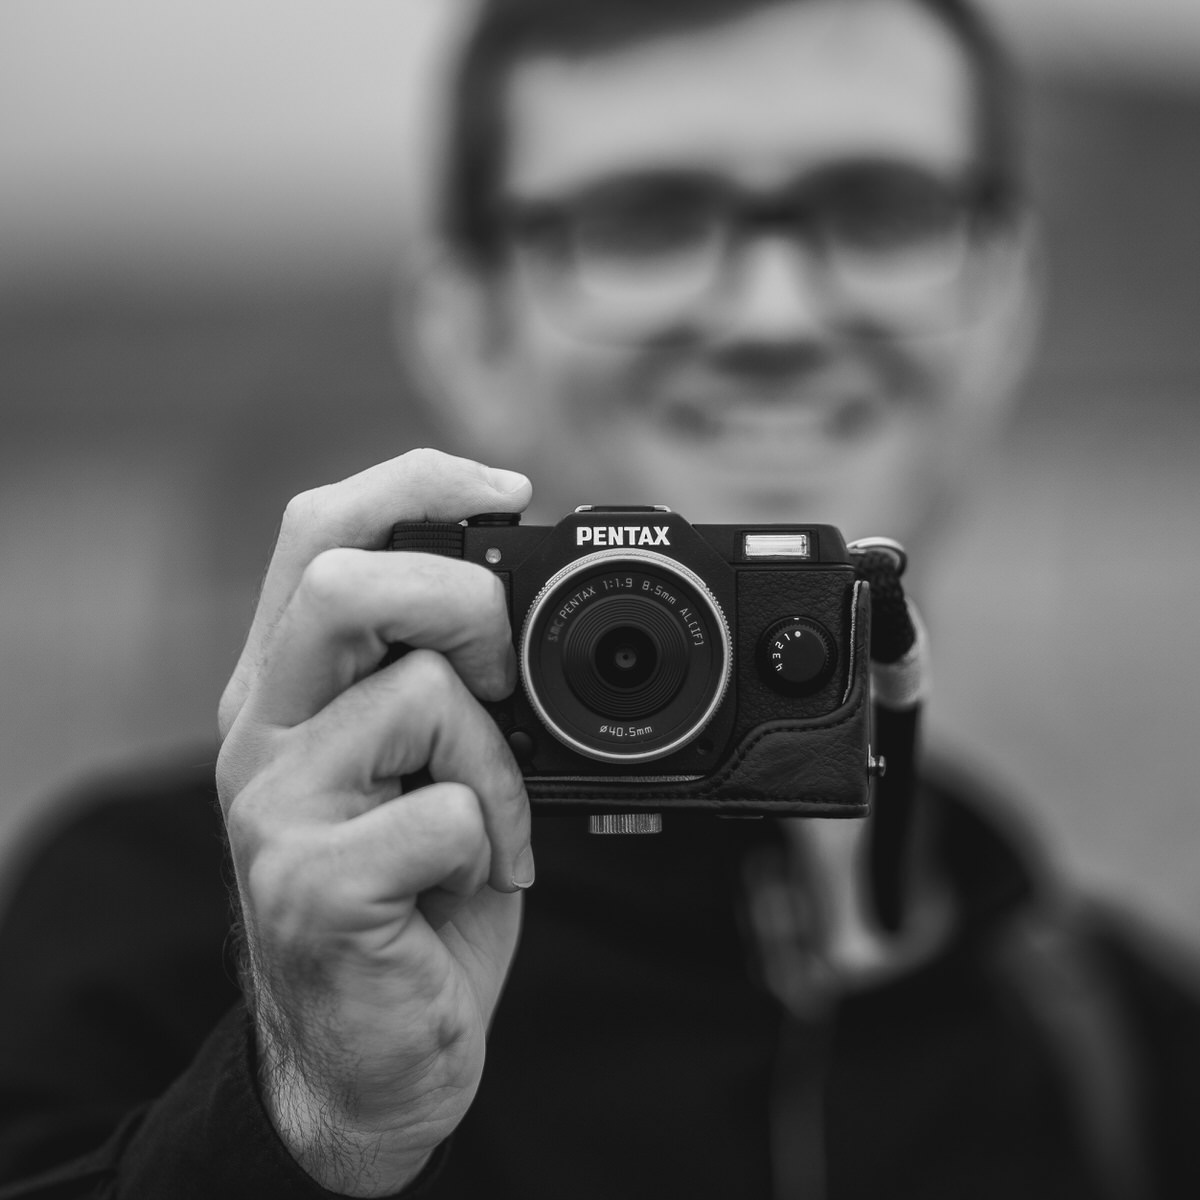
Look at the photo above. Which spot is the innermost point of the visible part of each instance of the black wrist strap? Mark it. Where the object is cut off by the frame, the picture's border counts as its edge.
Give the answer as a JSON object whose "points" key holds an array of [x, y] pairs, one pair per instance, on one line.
{"points": [[897, 691]]}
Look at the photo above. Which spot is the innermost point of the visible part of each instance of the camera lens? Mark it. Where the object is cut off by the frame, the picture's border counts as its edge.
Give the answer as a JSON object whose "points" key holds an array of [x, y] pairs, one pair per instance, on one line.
{"points": [[625, 655]]}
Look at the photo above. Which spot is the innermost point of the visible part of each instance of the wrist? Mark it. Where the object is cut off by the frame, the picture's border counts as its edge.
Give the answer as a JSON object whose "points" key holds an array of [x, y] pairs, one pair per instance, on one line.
{"points": [[337, 1154], [323, 1128]]}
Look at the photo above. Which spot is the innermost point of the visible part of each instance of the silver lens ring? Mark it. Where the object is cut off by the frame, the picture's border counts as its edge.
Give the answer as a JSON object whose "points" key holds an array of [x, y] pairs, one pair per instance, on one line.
{"points": [[647, 559]]}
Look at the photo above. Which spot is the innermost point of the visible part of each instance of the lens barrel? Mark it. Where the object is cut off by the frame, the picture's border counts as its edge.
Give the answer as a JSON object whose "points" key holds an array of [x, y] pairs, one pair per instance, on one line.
{"points": [[625, 655]]}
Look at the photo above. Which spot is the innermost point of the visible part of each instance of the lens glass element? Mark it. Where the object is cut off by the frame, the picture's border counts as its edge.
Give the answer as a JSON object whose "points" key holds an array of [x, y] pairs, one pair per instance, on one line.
{"points": [[626, 657]]}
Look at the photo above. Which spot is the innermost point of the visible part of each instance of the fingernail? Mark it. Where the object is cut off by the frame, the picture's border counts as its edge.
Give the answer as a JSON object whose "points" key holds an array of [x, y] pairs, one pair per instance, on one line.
{"points": [[506, 481], [523, 872]]}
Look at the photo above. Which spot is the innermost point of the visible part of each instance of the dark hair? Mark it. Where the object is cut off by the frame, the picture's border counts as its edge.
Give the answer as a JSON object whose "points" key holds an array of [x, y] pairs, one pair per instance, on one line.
{"points": [[507, 32]]}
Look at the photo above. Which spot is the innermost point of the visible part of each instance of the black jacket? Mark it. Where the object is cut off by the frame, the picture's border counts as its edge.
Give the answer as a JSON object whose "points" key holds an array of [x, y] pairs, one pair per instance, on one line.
{"points": [[635, 1052]]}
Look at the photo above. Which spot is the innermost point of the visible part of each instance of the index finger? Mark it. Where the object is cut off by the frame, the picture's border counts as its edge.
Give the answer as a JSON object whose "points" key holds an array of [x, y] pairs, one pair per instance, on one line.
{"points": [[358, 512]]}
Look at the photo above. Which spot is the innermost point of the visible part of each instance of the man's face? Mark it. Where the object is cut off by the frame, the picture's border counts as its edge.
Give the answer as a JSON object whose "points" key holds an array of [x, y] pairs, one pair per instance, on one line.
{"points": [[787, 393]]}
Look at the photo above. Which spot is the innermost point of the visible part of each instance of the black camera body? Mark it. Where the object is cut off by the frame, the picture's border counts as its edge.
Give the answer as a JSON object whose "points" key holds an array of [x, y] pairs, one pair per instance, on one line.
{"points": [[666, 666]]}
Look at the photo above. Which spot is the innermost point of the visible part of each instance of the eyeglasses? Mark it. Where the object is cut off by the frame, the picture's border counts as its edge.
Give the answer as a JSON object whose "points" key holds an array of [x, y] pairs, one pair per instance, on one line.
{"points": [[636, 258]]}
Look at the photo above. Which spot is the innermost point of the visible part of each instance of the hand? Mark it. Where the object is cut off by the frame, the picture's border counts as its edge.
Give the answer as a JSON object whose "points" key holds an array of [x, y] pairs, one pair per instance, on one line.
{"points": [[379, 926]]}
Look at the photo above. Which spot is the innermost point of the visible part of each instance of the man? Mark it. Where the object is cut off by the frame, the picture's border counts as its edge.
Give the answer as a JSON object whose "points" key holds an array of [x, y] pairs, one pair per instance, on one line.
{"points": [[756, 261]]}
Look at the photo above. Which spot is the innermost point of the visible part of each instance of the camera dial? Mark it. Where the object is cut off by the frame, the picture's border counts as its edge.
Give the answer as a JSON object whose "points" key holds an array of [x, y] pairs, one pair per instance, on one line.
{"points": [[796, 656]]}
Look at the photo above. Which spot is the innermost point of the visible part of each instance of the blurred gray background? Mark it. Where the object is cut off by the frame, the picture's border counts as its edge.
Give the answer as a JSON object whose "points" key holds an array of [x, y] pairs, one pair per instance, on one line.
{"points": [[202, 213]]}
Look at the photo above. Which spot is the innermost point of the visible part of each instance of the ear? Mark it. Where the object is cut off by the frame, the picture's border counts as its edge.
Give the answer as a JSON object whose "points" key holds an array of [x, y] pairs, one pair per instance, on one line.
{"points": [[450, 334]]}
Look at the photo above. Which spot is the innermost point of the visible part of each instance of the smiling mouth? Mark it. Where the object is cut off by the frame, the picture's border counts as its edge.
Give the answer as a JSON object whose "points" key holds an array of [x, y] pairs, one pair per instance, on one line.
{"points": [[794, 422]]}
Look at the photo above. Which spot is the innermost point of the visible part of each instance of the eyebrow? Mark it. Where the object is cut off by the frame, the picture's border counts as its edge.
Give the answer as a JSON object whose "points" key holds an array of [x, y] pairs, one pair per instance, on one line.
{"points": [[972, 177]]}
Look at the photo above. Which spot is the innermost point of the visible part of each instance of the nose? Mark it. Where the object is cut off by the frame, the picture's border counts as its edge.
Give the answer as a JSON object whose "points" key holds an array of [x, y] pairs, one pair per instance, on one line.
{"points": [[776, 291]]}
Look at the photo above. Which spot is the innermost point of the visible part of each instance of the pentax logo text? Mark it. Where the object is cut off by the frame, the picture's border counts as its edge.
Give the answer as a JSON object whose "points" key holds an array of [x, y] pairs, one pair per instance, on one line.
{"points": [[622, 535]]}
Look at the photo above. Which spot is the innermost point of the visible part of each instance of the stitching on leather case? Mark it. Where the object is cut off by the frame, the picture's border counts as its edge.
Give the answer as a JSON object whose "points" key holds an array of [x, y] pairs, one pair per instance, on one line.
{"points": [[711, 792]]}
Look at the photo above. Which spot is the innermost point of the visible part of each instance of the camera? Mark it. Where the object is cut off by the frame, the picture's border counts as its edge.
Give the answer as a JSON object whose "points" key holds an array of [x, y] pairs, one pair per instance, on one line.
{"points": [[668, 666]]}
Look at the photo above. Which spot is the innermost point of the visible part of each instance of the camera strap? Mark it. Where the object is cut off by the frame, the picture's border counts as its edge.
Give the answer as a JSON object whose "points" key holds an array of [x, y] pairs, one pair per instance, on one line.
{"points": [[899, 684]]}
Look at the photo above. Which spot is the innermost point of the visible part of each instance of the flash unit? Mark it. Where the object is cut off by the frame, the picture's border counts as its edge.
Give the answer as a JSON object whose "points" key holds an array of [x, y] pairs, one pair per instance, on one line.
{"points": [[776, 545]]}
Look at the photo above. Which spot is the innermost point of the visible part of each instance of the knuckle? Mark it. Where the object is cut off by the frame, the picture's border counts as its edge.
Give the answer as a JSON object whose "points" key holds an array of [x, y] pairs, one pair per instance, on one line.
{"points": [[463, 827], [329, 581], [462, 815], [423, 462], [228, 707], [230, 773], [233, 699], [301, 510], [282, 883], [431, 677], [243, 826], [248, 833]]}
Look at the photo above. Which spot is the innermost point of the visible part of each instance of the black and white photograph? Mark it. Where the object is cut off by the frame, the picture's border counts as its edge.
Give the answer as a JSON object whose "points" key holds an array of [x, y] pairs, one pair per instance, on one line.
{"points": [[598, 599]]}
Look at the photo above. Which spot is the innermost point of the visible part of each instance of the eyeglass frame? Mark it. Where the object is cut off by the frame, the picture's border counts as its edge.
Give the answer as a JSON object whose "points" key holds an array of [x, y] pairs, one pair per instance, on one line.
{"points": [[984, 199]]}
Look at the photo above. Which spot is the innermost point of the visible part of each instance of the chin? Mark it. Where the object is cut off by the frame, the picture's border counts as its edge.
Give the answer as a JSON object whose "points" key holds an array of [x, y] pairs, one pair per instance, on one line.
{"points": [[748, 500]]}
